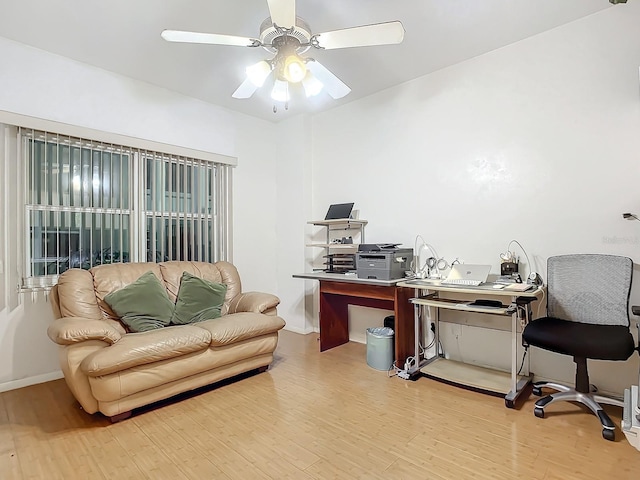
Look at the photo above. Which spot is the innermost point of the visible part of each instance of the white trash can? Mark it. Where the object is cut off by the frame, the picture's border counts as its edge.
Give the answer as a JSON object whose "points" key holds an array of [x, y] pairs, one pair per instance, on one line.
{"points": [[380, 348]]}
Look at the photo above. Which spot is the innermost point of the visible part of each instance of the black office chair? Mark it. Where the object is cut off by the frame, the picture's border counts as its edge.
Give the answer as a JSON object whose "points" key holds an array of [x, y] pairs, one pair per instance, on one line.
{"points": [[587, 317]]}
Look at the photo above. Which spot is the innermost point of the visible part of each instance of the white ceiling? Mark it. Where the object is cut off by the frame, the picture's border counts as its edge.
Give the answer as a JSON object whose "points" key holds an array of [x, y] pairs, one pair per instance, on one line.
{"points": [[123, 36]]}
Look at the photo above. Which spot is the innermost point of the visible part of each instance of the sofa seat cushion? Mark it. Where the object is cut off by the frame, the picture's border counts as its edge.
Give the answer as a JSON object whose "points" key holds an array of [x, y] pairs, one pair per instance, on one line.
{"points": [[237, 327], [142, 348]]}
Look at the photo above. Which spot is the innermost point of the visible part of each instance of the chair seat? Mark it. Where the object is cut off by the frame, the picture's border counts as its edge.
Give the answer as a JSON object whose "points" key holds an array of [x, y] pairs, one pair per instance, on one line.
{"points": [[600, 342]]}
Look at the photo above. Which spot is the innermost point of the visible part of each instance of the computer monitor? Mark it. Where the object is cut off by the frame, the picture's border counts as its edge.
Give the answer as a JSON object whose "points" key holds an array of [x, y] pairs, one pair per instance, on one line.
{"points": [[339, 211]]}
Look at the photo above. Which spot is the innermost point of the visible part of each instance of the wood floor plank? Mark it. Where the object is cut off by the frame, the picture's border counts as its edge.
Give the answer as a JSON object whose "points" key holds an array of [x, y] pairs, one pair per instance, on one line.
{"points": [[312, 415], [9, 462]]}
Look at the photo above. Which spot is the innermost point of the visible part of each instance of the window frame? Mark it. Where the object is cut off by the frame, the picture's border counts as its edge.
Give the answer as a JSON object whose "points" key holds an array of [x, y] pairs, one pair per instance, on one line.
{"points": [[219, 220]]}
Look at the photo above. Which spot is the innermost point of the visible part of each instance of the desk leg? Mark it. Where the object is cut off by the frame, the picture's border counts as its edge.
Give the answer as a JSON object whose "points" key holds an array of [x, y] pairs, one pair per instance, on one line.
{"points": [[405, 336], [334, 321], [518, 384]]}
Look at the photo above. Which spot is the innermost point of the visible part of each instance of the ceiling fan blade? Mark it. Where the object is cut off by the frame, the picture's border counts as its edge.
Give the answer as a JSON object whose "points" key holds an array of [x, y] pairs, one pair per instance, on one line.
{"points": [[210, 38], [245, 90], [332, 84], [366, 35], [283, 12]]}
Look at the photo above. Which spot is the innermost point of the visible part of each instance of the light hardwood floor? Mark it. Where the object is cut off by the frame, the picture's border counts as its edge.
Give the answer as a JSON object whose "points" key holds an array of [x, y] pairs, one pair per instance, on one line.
{"points": [[312, 415]]}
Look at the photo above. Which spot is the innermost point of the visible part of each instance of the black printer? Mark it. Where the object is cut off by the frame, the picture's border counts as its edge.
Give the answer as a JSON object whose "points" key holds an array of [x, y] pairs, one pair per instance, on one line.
{"points": [[383, 261]]}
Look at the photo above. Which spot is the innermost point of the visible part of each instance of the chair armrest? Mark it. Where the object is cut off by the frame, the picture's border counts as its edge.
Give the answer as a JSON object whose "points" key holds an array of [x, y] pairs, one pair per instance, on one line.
{"points": [[70, 330], [256, 302]]}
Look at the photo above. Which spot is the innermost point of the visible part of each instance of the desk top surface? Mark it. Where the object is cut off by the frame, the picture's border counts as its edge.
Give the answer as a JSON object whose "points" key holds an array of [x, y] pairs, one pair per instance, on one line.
{"points": [[347, 278], [485, 288]]}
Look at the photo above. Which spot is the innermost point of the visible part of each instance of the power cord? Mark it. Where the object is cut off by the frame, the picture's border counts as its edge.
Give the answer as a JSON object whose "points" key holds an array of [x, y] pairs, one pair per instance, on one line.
{"points": [[524, 355]]}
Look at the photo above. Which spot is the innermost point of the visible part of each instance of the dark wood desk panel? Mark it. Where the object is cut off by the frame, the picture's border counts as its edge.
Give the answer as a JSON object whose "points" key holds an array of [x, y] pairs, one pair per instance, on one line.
{"points": [[405, 327], [335, 298]]}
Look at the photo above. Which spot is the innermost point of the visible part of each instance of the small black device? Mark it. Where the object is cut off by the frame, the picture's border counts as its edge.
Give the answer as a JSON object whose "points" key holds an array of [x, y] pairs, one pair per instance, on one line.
{"points": [[481, 302], [534, 279], [508, 268]]}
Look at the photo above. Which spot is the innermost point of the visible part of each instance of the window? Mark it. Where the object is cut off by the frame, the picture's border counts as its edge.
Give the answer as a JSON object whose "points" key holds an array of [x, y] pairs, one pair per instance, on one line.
{"points": [[91, 203], [179, 201]]}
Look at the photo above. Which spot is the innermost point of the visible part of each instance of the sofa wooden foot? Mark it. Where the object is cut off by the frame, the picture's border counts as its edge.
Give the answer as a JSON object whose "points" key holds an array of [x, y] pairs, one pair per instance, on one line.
{"points": [[263, 369], [120, 417]]}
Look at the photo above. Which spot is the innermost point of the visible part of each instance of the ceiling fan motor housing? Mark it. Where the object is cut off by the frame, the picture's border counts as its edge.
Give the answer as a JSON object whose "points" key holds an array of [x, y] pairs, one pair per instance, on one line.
{"points": [[269, 32]]}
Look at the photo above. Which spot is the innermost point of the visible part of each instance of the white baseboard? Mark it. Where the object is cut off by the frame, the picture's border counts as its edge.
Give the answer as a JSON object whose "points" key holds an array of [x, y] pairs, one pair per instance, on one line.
{"points": [[26, 382], [298, 330]]}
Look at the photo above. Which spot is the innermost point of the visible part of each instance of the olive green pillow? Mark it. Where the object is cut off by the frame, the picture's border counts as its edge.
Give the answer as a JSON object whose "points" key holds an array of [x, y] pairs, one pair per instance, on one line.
{"points": [[198, 300], [142, 305]]}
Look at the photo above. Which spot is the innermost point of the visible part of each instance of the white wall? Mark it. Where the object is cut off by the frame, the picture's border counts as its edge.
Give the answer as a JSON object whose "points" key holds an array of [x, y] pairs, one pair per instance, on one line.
{"points": [[39, 84], [294, 209], [538, 141]]}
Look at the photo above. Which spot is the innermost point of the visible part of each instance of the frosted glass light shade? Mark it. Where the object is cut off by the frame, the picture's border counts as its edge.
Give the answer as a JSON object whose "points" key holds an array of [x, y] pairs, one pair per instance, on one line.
{"points": [[258, 72], [312, 86], [280, 92]]}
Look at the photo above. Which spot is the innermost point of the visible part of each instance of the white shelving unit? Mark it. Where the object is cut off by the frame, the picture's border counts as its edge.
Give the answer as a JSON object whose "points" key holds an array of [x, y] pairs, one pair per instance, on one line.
{"points": [[333, 259]]}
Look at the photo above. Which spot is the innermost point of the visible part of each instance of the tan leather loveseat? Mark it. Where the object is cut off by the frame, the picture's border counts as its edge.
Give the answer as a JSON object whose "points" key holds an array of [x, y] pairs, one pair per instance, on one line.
{"points": [[113, 371]]}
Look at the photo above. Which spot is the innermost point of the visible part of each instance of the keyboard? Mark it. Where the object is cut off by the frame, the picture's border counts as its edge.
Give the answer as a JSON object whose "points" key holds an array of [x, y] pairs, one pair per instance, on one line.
{"points": [[461, 281]]}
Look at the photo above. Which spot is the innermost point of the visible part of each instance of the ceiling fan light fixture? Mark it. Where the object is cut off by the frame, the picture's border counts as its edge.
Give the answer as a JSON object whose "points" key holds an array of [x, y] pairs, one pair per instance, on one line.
{"points": [[288, 38], [312, 86], [258, 72], [294, 69], [280, 92]]}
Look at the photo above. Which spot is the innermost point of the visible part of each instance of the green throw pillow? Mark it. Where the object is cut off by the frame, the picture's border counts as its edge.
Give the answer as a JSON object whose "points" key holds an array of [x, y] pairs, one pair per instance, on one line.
{"points": [[198, 300], [142, 305]]}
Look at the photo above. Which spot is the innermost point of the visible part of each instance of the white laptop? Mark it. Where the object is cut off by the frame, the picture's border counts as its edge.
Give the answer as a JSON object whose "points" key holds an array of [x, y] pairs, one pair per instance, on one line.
{"points": [[467, 274]]}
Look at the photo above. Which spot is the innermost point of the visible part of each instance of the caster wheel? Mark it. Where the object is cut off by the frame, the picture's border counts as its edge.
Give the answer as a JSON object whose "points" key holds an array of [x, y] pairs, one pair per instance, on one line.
{"points": [[608, 434], [509, 403], [539, 412], [537, 391]]}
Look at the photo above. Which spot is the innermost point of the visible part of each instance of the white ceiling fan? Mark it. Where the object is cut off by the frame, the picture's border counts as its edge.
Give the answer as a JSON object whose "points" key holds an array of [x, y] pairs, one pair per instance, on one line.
{"points": [[287, 37]]}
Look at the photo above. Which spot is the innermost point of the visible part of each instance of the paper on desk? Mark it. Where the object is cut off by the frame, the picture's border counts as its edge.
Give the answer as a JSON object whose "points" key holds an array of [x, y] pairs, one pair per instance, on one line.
{"points": [[518, 287]]}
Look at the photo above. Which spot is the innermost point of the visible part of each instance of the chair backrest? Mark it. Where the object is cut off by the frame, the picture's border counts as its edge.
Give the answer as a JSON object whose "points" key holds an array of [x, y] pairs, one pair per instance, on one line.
{"points": [[589, 288]]}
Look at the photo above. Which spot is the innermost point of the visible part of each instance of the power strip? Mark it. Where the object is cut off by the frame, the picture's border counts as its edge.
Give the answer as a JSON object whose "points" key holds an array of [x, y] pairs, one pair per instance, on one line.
{"points": [[404, 374]]}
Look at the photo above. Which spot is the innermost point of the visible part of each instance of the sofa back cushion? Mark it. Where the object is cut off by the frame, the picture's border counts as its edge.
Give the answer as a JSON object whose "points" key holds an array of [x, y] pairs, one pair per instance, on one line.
{"points": [[80, 293], [75, 296], [115, 276]]}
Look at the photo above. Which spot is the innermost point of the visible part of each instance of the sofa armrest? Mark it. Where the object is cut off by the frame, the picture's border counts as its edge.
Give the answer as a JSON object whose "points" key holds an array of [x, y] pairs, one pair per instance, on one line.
{"points": [[256, 302], [70, 330]]}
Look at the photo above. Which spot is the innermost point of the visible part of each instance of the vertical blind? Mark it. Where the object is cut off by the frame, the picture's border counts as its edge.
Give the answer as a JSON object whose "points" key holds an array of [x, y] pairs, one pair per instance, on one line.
{"points": [[91, 203]]}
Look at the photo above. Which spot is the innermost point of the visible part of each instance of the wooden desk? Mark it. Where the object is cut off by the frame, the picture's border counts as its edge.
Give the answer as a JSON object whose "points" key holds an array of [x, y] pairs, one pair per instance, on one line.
{"points": [[338, 291]]}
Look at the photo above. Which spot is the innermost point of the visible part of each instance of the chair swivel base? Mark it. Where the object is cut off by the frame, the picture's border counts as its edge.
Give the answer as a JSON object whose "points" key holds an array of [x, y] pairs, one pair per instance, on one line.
{"points": [[590, 400]]}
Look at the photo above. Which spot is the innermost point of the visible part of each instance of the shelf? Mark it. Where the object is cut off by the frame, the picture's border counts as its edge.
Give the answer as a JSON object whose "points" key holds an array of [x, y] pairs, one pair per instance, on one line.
{"points": [[463, 305], [340, 221], [344, 246], [336, 252], [473, 376]]}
